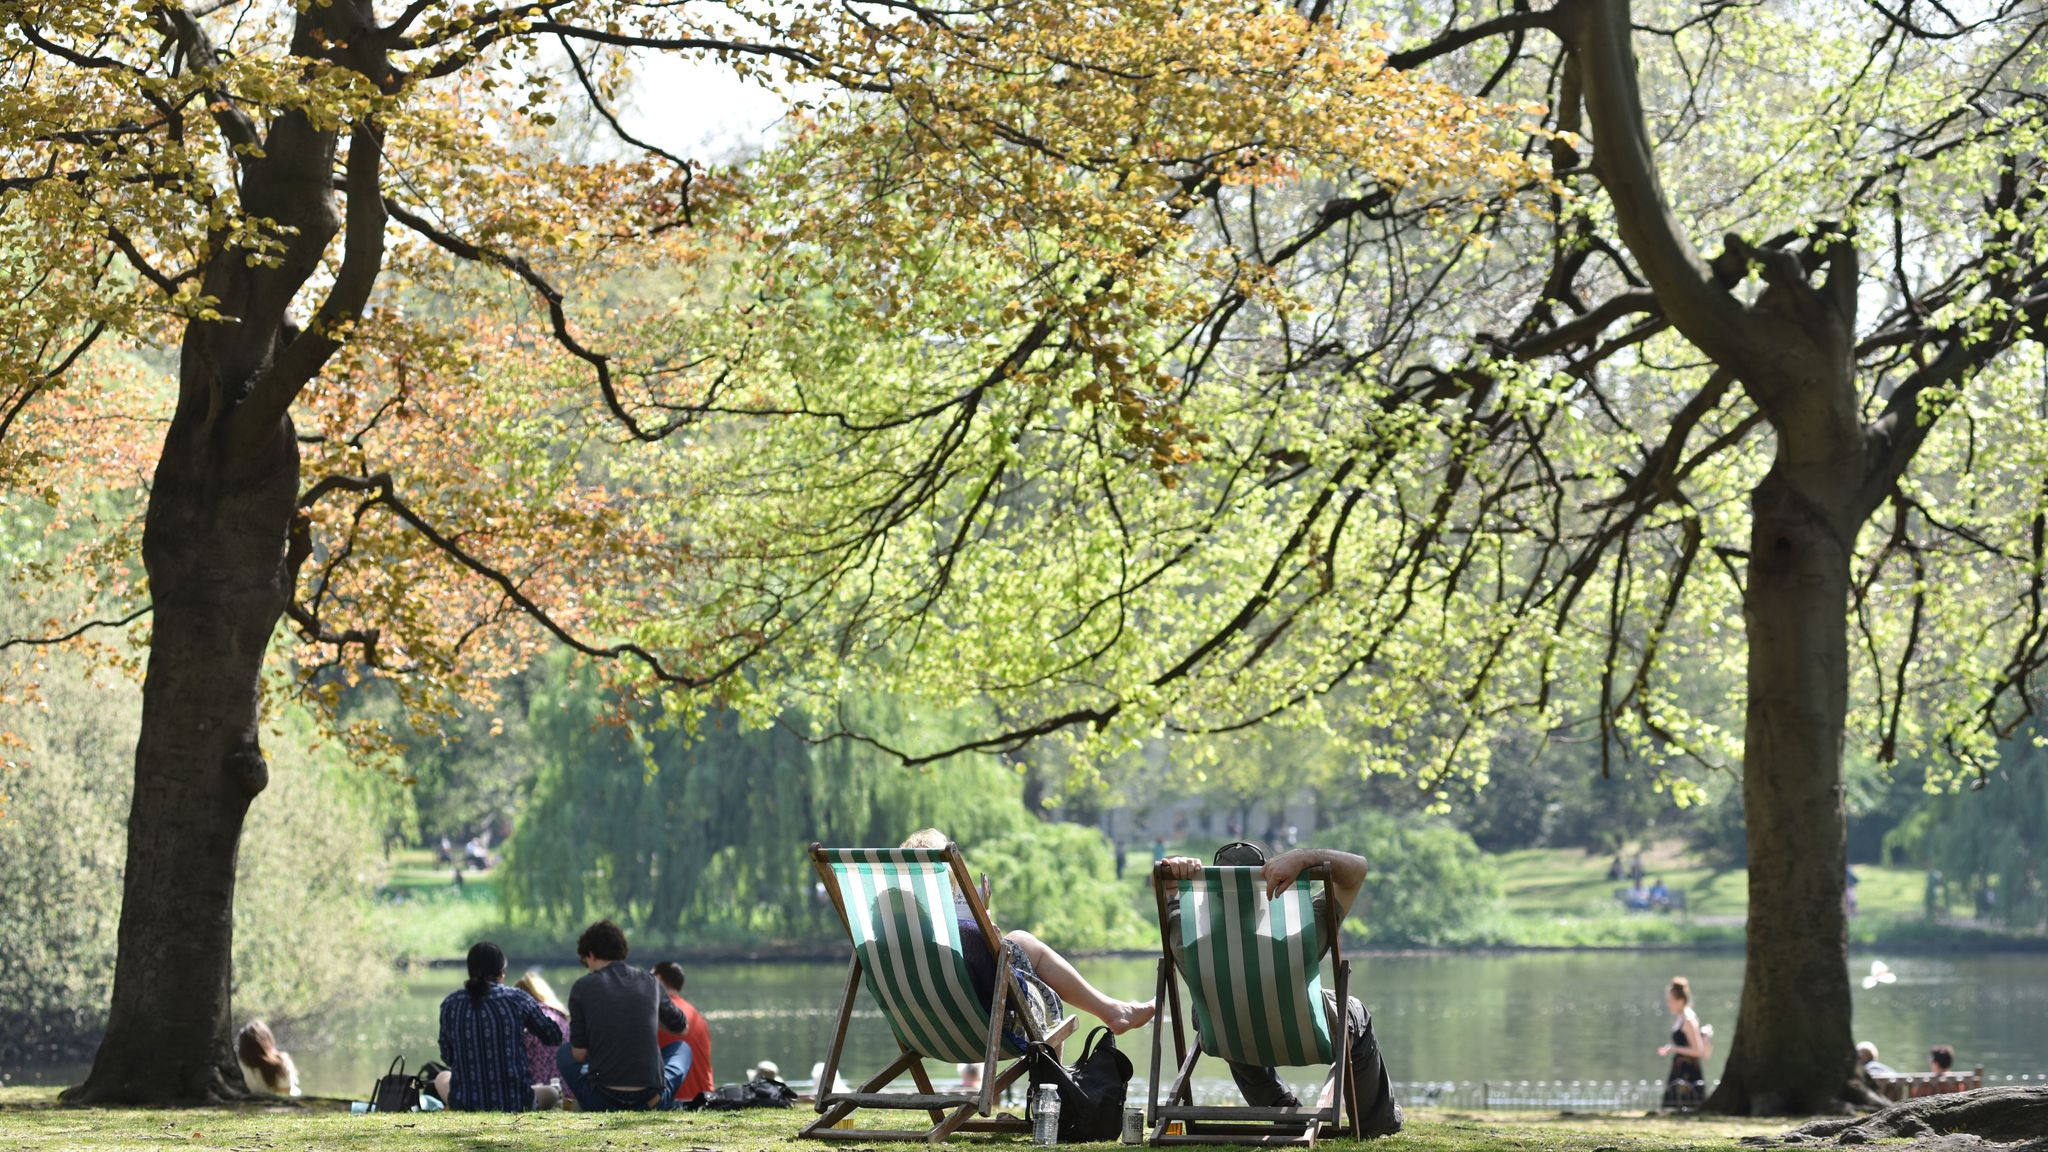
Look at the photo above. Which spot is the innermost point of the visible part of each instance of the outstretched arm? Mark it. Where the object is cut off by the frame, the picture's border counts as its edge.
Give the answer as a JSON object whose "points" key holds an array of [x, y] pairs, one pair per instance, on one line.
{"points": [[1347, 874]]}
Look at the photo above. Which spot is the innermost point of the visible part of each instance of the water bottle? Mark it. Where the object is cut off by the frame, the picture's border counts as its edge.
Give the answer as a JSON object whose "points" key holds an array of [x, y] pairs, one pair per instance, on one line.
{"points": [[561, 1101], [1045, 1117]]}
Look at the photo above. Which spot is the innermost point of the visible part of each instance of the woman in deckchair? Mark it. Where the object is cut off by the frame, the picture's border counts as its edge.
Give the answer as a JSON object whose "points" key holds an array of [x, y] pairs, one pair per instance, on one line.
{"points": [[1047, 978]]}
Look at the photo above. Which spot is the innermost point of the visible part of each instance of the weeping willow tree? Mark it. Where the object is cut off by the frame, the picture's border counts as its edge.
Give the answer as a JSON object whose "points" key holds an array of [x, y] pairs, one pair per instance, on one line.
{"points": [[1991, 837], [703, 832]]}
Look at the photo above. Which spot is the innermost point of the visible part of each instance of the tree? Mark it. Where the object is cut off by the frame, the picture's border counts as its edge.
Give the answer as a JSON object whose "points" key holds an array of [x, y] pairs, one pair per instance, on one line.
{"points": [[1539, 462], [426, 389]]}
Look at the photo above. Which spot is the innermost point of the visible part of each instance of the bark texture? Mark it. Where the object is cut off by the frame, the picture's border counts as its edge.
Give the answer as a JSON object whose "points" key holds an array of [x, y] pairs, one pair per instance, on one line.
{"points": [[214, 547], [1793, 1046], [2002, 1114]]}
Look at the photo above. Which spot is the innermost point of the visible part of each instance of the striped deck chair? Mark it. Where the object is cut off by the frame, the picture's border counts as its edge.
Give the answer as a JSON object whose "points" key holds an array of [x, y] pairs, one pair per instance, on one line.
{"points": [[898, 908], [1254, 982]]}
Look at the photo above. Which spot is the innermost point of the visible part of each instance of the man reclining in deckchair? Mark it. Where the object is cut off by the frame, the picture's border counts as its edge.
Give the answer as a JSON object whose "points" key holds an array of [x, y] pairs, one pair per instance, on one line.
{"points": [[1371, 1105], [1043, 973]]}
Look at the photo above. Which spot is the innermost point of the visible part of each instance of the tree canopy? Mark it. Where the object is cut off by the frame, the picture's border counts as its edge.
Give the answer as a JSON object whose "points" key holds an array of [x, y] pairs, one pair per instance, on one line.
{"points": [[433, 401]]}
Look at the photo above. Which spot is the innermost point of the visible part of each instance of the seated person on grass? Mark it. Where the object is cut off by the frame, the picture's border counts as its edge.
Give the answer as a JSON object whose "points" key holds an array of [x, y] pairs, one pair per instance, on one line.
{"points": [[613, 1060], [697, 1037], [1371, 1102], [1046, 977], [483, 1041]]}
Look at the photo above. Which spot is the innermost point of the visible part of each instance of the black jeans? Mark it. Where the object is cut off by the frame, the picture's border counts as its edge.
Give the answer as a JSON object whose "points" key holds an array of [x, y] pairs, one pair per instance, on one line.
{"points": [[1368, 1098]]}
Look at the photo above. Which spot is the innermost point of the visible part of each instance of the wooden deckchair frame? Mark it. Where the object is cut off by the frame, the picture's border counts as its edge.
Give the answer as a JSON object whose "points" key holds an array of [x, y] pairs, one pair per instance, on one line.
{"points": [[949, 1112], [1241, 1123]]}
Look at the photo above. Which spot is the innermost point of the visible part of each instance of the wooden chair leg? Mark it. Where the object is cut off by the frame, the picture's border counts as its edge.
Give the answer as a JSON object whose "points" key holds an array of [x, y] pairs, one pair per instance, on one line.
{"points": [[831, 1072], [923, 1080]]}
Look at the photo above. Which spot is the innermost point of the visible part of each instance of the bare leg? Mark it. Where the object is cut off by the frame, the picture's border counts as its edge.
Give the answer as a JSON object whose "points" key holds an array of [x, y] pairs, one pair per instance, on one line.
{"points": [[1062, 978], [442, 1080]]}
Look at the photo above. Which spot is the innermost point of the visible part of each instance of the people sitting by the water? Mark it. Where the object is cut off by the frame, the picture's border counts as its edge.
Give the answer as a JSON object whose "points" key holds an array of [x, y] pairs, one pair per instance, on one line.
{"points": [[1614, 868], [970, 1077], [483, 1029], [540, 1055], [1866, 1059], [1660, 896], [1637, 899], [1045, 976], [613, 1059], [697, 1035], [1685, 1086], [265, 1068], [1371, 1101], [1941, 1059]]}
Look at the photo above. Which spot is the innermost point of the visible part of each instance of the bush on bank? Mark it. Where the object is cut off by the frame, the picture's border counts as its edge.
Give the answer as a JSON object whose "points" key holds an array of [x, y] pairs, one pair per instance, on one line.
{"points": [[303, 889]]}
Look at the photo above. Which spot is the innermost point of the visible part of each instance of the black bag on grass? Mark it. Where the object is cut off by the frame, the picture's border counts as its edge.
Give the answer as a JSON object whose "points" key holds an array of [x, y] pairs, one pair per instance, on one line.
{"points": [[1091, 1092], [395, 1091]]}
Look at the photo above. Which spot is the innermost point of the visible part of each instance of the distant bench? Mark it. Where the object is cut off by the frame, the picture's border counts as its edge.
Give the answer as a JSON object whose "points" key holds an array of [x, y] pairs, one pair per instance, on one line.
{"points": [[1909, 1085], [1675, 902]]}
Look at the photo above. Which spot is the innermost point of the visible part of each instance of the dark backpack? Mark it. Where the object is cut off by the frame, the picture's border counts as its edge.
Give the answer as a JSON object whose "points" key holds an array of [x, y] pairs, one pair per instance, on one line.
{"points": [[395, 1091], [1091, 1092]]}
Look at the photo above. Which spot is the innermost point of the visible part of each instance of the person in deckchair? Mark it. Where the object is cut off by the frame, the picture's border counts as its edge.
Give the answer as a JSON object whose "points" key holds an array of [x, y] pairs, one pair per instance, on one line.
{"points": [[1046, 976], [1371, 1103]]}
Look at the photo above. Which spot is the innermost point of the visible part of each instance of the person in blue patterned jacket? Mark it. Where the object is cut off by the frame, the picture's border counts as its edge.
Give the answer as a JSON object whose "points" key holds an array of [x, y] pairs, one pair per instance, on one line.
{"points": [[482, 1041]]}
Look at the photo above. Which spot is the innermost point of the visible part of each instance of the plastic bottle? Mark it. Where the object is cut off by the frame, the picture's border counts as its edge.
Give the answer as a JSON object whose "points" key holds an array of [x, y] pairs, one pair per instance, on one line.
{"points": [[1045, 1117]]}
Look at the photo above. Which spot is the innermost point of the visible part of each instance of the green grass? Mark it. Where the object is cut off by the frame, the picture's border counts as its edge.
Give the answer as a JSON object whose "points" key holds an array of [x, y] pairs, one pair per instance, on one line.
{"points": [[30, 1119], [1562, 898]]}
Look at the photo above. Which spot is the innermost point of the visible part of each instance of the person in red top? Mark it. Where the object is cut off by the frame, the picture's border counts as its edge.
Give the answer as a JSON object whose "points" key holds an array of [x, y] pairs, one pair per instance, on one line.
{"points": [[697, 1035]]}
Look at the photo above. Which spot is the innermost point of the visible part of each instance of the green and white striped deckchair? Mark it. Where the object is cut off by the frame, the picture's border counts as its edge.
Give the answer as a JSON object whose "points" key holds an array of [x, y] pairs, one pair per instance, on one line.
{"points": [[899, 909], [1253, 973]]}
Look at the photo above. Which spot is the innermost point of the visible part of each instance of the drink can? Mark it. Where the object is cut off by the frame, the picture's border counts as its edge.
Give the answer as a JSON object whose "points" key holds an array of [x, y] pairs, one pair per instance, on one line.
{"points": [[1134, 1124]]}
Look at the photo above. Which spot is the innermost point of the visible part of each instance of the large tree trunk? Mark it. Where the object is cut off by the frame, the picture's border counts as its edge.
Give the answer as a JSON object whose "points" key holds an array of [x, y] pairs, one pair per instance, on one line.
{"points": [[1793, 1049], [214, 544]]}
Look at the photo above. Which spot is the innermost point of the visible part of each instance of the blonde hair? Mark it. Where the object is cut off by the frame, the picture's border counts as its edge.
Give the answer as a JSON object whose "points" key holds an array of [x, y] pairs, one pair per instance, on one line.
{"points": [[536, 985], [1681, 989], [258, 1049], [926, 838]]}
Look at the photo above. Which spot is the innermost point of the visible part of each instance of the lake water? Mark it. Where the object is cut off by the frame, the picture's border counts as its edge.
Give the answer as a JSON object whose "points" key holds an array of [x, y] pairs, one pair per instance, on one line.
{"points": [[1508, 1017]]}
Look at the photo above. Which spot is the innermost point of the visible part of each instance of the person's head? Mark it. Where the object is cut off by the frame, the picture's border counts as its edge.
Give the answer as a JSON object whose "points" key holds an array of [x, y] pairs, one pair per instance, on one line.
{"points": [[1240, 854], [603, 941], [765, 1070], [927, 839], [486, 967], [1942, 1058], [1678, 993], [258, 1049], [536, 985], [1866, 1052], [670, 974]]}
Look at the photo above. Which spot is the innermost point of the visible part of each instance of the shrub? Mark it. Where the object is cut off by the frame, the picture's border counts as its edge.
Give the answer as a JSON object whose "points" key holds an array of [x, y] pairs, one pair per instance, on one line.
{"points": [[1428, 885], [1058, 881], [302, 897]]}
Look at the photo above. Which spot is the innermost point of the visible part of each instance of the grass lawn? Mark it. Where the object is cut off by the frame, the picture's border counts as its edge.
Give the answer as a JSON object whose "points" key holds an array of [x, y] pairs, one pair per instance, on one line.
{"points": [[29, 1119], [1562, 897]]}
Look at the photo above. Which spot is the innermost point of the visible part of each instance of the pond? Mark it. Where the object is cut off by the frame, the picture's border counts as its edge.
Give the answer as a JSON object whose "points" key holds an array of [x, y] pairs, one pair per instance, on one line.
{"points": [[1497, 1017]]}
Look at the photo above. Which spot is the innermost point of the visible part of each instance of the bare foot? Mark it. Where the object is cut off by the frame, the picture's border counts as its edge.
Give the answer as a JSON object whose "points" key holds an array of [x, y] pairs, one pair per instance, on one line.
{"points": [[1124, 1016]]}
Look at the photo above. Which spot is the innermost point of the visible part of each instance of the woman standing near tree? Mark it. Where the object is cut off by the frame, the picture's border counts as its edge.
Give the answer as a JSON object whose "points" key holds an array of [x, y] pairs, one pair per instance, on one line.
{"points": [[1686, 1084]]}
